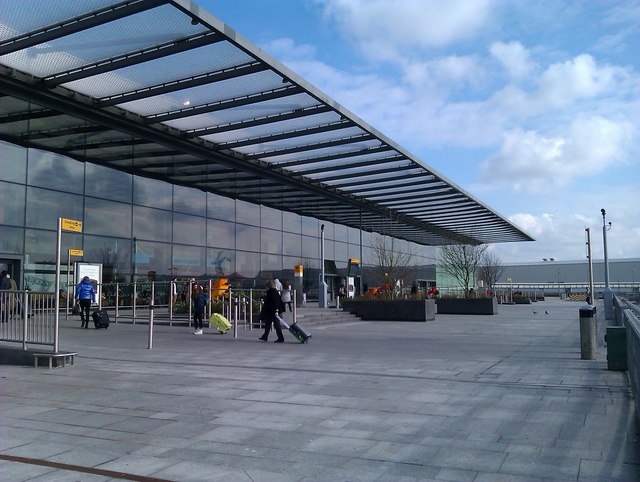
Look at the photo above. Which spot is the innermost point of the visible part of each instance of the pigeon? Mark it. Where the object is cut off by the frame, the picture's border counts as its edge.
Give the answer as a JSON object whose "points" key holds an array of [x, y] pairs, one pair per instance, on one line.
{"points": [[546, 312], [535, 312]]}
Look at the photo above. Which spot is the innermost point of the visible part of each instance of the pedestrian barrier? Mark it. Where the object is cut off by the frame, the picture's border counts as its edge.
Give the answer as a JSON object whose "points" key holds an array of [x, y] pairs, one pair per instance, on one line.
{"points": [[28, 317]]}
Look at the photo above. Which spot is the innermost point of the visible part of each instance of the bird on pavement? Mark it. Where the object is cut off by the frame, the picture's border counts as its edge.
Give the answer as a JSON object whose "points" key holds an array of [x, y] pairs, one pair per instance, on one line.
{"points": [[546, 312], [535, 312]]}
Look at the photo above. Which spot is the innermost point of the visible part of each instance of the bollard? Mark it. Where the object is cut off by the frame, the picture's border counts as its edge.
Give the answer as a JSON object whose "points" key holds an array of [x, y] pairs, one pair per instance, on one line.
{"points": [[588, 332], [150, 337]]}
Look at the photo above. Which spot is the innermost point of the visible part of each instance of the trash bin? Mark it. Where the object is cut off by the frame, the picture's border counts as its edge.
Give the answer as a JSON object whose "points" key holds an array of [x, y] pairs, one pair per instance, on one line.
{"points": [[616, 339], [588, 332]]}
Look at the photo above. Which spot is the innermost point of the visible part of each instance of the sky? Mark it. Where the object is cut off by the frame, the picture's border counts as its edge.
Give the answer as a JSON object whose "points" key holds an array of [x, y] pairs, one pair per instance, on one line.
{"points": [[531, 107]]}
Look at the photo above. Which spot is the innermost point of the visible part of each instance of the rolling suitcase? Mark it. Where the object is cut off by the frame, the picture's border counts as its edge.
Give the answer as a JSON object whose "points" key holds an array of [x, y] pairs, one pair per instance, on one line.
{"points": [[219, 322], [100, 319], [296, 329]]}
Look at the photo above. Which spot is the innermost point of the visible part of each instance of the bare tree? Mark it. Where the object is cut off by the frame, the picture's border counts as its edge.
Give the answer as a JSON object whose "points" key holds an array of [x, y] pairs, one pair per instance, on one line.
{"points": [[490, 269], [461, 261], [390, 264]]}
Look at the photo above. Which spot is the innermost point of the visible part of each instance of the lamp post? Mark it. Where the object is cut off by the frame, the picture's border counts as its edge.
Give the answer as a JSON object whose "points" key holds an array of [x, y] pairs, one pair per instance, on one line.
{"points": [[608, 294], [322, 286]]}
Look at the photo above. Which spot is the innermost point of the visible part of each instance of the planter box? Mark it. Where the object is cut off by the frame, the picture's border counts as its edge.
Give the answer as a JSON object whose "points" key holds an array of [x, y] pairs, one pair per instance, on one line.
{"points": [[392, 310], [470, 306]]}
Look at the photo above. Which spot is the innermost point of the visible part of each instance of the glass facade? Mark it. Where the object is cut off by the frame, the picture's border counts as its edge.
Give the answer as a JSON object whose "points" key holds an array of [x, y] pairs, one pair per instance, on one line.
{"points": [[138, 228]]}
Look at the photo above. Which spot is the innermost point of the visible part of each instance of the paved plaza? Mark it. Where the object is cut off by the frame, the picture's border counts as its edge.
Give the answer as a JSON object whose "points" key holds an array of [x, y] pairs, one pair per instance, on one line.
{"points": [[464, 398]]}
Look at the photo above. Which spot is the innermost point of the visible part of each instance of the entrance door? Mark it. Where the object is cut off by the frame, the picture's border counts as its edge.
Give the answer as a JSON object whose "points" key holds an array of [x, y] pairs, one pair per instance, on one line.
{"points": [[11, 266]]}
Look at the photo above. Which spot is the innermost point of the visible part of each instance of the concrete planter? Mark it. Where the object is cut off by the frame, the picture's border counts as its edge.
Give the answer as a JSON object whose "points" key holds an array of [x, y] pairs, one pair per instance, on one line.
{"points": [[392, 310], [467, 306]]}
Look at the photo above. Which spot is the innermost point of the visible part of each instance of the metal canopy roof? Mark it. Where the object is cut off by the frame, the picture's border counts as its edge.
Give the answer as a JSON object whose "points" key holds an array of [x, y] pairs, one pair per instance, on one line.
{"points": [[163, 89]]}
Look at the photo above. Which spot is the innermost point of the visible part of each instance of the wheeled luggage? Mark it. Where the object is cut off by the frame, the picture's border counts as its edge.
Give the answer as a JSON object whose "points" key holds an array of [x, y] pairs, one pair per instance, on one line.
{"points": [[296, 329], [219, 322], [100, 319]]}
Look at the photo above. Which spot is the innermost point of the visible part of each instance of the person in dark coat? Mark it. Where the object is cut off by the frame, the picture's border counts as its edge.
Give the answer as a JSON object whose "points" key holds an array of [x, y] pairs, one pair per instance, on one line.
{"points": [[200, 301], [85, 295], [269, 313]]}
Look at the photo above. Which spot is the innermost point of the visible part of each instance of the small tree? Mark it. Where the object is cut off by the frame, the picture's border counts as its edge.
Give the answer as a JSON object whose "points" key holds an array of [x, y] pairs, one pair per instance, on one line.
{"points": [[490, 270], [390, 264], [461, 261]]}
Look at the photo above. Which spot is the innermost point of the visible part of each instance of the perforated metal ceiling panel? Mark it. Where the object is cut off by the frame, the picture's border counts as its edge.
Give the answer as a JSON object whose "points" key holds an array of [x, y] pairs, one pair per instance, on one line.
{"points": [[165, 90]]}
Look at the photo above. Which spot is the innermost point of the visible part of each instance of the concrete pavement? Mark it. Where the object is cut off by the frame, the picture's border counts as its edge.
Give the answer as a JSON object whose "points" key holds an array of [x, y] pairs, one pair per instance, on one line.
{"points": [[482, 398]]}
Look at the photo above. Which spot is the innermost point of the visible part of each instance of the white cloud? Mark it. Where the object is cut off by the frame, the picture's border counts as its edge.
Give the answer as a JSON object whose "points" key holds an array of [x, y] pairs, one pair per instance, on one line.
{"points": [[444, 74], [528, 161], [391, 30], [580, 78], [513, 57]]}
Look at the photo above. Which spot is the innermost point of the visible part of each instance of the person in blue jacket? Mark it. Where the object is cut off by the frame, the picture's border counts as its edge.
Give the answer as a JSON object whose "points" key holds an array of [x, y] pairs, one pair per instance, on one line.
{"points": [[85, 295], [200, 301]]}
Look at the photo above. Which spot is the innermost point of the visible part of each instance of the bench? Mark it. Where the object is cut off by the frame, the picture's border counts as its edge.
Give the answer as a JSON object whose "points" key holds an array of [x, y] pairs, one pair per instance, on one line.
{"points": [[60, 358]]}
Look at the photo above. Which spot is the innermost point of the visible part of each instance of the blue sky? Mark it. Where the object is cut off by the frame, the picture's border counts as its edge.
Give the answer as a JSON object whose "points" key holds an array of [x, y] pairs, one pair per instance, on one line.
{"points": [[532, 107]]}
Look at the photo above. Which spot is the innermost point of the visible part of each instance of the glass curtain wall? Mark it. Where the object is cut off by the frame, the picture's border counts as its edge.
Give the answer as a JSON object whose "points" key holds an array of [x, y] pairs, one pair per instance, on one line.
{"points": [[141, 228]]}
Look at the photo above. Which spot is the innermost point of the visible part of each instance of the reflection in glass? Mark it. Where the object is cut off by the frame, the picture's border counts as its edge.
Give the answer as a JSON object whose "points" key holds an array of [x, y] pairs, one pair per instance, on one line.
{"points": [[247, 237], [220, 262], [291, 244], [11, 240], [354, 235], [247, 213], [220, 207], [341, 251], [292, 222], [44, 207], [189, 261], [13, 163], [53, 171], [151, 192], [247, 264], [310, 247], [153, 258], [310, 226], [107, 218], [40, 257], [108, 183], [189, 229], [271, 241], [271, 262], [189, 200], [354, 251], [221, 234], [12, 204], [270, 218], [114, 254], [340, 232], [152, 224]]}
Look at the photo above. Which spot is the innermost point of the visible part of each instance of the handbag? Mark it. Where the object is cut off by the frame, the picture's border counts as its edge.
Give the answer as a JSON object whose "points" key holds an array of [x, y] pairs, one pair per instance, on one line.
{"points": [[76, 310]]}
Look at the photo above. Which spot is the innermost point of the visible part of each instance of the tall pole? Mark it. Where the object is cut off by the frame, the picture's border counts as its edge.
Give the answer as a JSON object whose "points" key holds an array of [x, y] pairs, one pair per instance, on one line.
{"points": [[608, 294], [322, 286], [56, 333], [591, 300]]}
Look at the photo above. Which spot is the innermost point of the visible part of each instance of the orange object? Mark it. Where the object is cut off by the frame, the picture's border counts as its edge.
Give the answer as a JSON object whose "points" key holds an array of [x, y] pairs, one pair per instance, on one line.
{"points": [[220, 287]]}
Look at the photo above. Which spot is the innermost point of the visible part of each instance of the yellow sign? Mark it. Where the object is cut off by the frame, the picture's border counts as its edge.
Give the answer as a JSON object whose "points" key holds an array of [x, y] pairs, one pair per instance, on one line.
{"points": [[71, 225], [76, 252]]}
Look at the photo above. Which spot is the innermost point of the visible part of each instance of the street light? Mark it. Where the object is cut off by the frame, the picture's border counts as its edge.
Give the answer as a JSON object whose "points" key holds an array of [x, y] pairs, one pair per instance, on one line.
{"points": [[608, 295]]}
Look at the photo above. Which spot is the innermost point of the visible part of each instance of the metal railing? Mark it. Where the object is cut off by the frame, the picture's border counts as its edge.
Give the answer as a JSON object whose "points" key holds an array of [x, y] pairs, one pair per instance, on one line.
{"points": [[627, 314], [28, 317], [131, 302]]}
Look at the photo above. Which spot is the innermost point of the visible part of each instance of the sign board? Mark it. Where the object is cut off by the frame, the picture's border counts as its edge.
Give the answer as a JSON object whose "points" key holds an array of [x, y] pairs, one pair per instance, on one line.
{"points": [[76, 252], [93, 271], [71, 225]]}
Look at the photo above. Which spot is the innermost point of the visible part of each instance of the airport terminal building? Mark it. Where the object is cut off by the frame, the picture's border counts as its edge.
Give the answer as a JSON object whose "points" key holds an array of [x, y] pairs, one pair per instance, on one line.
{"points": [[186, 151]]}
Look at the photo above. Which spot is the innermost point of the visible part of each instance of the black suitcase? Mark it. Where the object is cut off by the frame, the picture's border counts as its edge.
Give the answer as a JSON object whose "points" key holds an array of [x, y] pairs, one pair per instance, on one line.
{"points": [[100, 319], [297, 330]]}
